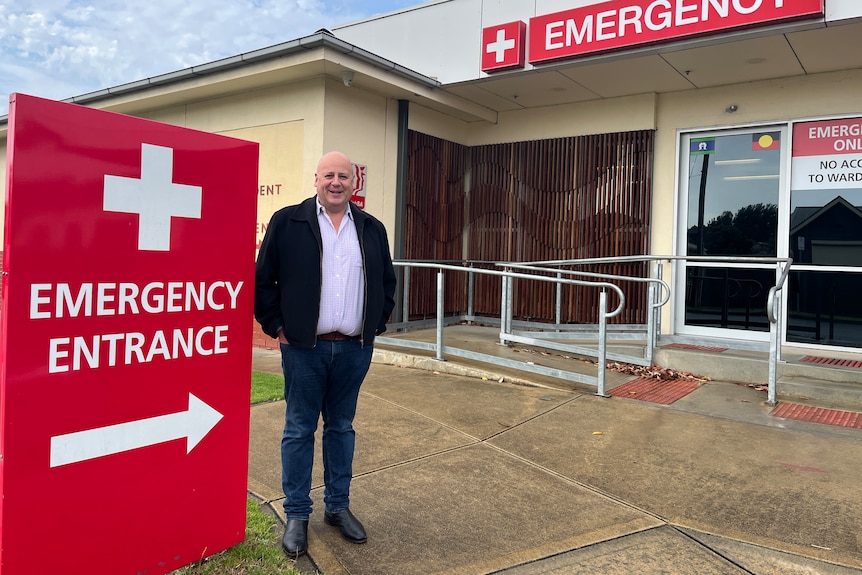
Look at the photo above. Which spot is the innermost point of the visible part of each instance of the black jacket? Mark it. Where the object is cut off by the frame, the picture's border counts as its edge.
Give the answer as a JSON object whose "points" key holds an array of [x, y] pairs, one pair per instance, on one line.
{"points": [[288, 275]]}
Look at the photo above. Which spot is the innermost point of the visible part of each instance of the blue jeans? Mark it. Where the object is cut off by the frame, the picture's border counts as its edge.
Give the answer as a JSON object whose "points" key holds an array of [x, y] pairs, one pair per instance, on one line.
{"points": [[324, 381]]}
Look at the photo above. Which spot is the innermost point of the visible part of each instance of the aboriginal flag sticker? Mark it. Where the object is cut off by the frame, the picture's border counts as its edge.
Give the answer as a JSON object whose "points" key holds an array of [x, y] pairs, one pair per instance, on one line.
{"points": [[765, 141]]}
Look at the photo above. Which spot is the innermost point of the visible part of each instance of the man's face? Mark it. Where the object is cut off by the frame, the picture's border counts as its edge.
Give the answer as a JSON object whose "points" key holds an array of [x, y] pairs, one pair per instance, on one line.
{"points": [[334, 182]]}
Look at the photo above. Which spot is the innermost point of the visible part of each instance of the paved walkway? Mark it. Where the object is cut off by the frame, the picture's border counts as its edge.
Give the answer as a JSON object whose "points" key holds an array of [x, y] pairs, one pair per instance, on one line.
{"points": [[456, 474]]}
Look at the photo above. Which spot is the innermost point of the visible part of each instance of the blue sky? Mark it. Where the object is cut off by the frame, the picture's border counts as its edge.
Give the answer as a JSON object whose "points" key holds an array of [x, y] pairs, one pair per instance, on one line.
{"points": [[62, 48]]}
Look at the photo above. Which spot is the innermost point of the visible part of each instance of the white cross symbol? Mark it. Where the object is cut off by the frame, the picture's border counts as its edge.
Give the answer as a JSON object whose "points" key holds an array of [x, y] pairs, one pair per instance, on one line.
{"points": [[154, 197], [500, 46]]}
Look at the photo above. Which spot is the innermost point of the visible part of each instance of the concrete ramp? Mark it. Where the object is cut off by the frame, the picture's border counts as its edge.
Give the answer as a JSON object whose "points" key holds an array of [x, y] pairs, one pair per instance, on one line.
{"points": [[458, 475]]}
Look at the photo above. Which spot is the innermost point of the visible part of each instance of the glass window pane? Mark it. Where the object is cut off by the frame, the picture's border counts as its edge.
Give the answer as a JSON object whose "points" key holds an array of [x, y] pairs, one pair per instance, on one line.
{"points": [[824, 308], [733, 195], [826, 194], [727, 297]]}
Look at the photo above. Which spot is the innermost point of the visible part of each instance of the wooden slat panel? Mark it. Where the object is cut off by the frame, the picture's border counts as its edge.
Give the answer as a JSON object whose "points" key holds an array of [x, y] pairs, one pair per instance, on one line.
{"points": [[435, 220], [563, 198]]}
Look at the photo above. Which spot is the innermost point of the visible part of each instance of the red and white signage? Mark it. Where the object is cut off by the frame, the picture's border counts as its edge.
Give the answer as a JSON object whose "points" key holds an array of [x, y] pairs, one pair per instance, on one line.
{"points": [[504, 46], [125, 341], [827, 155], [622, 24], [360, 173]]}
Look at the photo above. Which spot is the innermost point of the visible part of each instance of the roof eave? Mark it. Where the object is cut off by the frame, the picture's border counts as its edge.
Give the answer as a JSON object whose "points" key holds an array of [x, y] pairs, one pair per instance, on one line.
{"points": [[320, 39]]}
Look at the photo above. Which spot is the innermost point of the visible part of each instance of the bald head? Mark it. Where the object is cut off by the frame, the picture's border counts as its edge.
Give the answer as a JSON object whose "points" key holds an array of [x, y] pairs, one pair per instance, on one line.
{"points": [[333, 158], [334, 182]]}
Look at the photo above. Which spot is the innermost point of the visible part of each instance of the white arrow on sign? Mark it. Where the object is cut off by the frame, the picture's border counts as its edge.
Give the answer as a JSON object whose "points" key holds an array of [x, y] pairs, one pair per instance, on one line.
{"points": [[193, 424]]}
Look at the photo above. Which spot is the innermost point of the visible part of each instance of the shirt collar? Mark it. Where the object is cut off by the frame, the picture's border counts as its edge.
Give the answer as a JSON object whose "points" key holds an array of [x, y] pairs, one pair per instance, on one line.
{"points": [[322, 210]]}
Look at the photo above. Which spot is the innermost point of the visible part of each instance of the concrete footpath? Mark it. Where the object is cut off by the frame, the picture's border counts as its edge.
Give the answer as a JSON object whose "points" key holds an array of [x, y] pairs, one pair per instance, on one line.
{"points": [[457, 473]]}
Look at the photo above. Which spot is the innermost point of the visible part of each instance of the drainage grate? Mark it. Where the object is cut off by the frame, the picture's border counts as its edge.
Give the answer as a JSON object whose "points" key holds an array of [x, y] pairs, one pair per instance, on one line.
{"points": [[818, 415], [697, 347], [664, 391], [833, 361]]}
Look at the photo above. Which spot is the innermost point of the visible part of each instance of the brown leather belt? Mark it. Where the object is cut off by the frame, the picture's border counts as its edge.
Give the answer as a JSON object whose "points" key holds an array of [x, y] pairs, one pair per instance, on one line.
{"points": [[336, 336]]}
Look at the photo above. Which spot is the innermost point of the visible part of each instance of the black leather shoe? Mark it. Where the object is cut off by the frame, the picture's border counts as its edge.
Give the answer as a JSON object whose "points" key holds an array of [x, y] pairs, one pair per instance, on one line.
{"points": [[295, 540], [351, 528]]}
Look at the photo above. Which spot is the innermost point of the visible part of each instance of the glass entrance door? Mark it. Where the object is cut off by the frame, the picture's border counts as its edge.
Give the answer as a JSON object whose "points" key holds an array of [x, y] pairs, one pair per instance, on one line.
{"points": [[731, 184]]}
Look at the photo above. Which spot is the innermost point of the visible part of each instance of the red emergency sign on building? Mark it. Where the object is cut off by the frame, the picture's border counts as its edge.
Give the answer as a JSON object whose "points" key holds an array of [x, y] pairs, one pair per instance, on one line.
{"points": [[125, 341], [360, 173], [504, 46], [827, 155], [620, 24]]}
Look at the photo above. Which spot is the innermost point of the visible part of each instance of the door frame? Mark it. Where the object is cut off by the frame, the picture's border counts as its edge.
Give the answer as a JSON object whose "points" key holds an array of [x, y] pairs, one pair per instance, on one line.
{"points": [[680, 240]]}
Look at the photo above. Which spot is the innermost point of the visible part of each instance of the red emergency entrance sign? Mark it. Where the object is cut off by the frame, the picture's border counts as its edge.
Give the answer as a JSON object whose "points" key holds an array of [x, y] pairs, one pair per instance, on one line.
{"points": [[125, 342]]}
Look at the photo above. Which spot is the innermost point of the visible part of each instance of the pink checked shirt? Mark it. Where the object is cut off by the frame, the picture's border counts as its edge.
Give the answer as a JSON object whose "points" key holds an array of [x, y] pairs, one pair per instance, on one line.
{"points": [[342, 294]]}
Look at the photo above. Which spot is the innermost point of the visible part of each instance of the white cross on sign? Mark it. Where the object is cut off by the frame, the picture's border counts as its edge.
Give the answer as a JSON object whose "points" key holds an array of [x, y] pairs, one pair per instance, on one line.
{"points": [[500, 46], [154, 197]]}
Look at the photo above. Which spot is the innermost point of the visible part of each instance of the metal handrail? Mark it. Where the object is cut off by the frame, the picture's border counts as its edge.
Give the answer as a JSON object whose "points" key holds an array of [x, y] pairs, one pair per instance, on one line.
{"points": [[662, 283], [779, 285], [654, 304], [649, 258], [505, 316], [428, 264], [773, 300]]}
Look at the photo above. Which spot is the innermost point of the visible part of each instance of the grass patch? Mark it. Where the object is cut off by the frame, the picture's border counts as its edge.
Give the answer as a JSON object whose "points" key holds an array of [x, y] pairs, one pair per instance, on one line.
{"points": [[259, 554], [266, 387]]}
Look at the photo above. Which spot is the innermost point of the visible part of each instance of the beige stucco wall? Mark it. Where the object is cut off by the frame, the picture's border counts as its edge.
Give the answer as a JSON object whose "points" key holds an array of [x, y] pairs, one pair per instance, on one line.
{"points": [[294, 125], [364, 126], [773, 101], [594, 117], [276, 118], [297, 123], [767, 102]]}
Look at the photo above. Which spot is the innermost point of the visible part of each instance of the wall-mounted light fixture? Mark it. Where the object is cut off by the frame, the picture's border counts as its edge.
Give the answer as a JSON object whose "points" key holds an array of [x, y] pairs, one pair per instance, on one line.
{"points": [[347, 78], [731, 109]]}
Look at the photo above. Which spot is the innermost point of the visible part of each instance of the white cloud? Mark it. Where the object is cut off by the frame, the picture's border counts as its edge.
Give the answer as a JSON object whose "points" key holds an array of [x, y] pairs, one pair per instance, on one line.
{"points": [[62, 48]]}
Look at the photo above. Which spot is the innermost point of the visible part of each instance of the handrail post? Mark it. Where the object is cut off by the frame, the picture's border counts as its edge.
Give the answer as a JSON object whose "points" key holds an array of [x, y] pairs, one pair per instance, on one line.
{"points": [[405, 304], [504, 280], [782, 267], [471, 292], [650, 342], [774, 345], [603, 342], [440, 313], [510, 291], [559, 302], [658, 274], [779, 326], [506, 307]]}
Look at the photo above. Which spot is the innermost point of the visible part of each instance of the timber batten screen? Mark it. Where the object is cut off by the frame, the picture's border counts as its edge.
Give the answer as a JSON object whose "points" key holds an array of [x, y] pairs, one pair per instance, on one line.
{"points": [[557, 199]]}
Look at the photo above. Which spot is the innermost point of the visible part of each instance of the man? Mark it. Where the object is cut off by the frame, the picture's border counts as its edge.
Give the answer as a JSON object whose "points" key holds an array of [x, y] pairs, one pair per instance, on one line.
{"points": [[324, 287]]}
